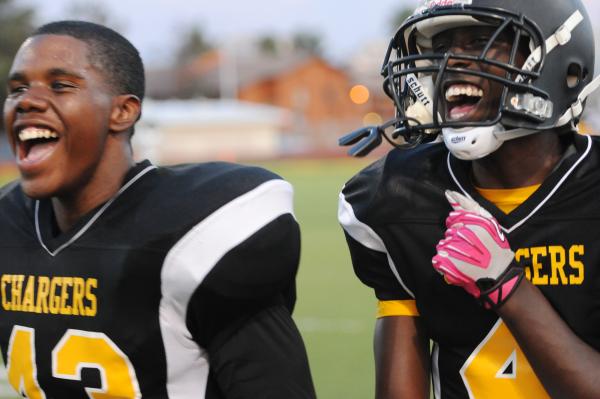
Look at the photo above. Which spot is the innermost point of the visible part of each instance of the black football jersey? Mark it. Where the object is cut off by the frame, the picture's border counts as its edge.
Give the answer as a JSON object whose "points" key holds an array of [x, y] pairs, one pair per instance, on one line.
{"points": [[393, 215], [180, 286]]}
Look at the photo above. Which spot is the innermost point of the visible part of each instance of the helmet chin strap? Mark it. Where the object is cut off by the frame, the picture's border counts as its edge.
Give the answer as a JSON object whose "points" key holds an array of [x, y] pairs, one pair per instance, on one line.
{"points": [[576, 109], [561, 37], [472, 143]]}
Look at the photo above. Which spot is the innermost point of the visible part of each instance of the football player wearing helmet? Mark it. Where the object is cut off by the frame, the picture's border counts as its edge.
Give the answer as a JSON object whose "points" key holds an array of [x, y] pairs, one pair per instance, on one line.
{"points": [[125, 280], [501, 201]]}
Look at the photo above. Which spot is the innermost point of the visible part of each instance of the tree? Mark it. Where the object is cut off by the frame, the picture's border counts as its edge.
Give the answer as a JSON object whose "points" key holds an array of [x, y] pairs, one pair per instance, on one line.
{"points": [[399, 17], [93, 12], [193, 44], [16, 23], [189, 63], [307, 42], [268, 45]]}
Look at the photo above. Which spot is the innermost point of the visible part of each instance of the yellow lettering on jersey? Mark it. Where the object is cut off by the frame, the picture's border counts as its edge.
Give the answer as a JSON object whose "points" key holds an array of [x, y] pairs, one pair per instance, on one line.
{"points": [[550, 265], [78, 292], [78, 349], [521, 255], [4, 281], [27, 305], [576, 264], [41, 305], [557, 264], [498, 369], [20, 367], [90, 285], [536, 254], [42, 294], [64, 295], [53, 299], [15, 292]]}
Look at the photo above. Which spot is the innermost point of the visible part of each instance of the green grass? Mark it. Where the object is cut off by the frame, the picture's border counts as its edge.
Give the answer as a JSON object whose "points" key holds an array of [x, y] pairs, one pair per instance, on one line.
{"points": [[334, 312]]}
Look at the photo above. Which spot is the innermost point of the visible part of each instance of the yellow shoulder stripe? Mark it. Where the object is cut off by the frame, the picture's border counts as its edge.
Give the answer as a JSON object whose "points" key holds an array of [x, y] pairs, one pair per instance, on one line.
{"points": [[397, 308]]}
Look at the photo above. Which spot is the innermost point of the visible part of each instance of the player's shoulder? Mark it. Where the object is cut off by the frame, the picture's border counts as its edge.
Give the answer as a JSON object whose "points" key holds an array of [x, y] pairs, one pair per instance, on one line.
{"points": [[12, 197], [594, 145], [227, 176], [402, 184], [9, 190], [215, 183], [232, 221], [182, 196], [586, 155], [16, 210]]}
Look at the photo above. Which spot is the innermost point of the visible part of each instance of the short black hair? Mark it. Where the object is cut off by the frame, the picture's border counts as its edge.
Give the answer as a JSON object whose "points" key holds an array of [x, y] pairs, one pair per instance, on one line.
{"points": [[109, 51]]}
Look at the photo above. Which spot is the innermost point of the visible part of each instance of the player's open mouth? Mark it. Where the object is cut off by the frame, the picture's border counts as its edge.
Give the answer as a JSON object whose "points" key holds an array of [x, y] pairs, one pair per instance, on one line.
{"points": [[35, 144], [462, 100]]}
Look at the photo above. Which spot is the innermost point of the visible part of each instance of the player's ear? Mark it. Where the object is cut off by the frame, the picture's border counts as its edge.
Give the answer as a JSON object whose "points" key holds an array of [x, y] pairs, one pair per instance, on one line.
{"points": [[126, 111]]}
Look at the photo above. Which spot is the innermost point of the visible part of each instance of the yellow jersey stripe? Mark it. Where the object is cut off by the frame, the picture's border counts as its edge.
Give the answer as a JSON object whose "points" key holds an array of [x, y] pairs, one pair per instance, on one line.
{"points": [[397, 308], [507, 199]]}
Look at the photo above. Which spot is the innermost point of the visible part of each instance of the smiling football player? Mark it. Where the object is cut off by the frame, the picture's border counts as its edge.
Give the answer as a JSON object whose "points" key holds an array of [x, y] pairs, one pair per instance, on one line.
{"points": [[504, 210], [127, 280]]}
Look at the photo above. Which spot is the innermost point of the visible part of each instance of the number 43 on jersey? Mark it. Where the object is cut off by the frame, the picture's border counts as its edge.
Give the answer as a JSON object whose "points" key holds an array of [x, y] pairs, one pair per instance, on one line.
{"points": [[75, 351]]}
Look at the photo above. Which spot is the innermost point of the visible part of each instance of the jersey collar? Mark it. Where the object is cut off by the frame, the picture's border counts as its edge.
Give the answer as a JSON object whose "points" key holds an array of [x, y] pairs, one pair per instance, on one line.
{"points": [[460, 172], [43, 215]]}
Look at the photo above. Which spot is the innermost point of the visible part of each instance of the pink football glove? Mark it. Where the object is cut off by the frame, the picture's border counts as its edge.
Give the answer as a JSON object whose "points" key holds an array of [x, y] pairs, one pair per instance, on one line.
{"points": [[475, 253]]}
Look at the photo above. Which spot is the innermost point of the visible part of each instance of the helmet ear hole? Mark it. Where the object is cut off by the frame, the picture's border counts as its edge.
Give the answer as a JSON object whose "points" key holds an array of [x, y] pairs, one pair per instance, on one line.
{"points": [[585, 74], [575, 74]]}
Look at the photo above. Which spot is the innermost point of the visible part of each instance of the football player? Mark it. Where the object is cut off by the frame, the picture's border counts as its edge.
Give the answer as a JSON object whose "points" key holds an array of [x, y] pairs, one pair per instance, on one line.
{"points": [[503, 84], [127, 280]]}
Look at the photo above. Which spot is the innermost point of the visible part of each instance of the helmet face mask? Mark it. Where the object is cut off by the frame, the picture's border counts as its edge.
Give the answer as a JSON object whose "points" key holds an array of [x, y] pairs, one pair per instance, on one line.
{"points": [[526, 67], [416, 54], [474, 95]]}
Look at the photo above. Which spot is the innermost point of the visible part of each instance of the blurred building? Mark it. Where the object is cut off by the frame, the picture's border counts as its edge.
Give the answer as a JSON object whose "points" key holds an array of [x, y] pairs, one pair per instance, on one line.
{"points": [[365, 68], [177, 131], [316, 94]]}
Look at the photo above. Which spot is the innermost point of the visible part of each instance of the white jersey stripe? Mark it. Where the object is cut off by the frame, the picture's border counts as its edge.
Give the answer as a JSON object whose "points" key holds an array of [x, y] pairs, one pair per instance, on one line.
{"points": [[365, 235], [435, 371], [189, 262]]}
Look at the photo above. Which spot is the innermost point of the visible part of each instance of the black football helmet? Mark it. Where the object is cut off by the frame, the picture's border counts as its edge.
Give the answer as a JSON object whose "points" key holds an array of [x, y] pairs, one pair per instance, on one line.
{"points": [[544, 92]]}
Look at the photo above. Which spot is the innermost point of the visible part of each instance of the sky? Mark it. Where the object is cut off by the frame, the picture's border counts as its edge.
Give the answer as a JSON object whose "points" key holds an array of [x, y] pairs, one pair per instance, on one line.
{"points": [[154, 26]]}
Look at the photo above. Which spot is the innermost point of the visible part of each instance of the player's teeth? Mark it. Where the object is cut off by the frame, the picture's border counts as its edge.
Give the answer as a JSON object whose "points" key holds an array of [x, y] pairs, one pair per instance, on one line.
{"points": [[32, 133], [467, 90]]}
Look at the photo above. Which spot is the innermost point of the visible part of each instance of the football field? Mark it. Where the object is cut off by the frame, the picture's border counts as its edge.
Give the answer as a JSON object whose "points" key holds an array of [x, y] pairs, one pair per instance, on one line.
{"points": [[334, 312]]}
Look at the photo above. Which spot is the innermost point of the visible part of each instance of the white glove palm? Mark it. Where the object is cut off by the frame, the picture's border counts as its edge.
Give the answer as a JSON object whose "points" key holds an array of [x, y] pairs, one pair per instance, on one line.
{"points": [[475, 253]]}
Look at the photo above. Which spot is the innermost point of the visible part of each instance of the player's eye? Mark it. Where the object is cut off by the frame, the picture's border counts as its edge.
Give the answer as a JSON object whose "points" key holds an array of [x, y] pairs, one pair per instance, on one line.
{"points": [[62, 85], [441, 47], [482, 41], [14, 89], [478, 43]]}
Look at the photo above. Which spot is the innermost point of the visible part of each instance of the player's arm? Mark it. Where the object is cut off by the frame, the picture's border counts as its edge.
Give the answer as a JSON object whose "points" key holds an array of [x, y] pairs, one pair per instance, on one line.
{"points": [[262, 356], [241, 314], [566, 365], [476, 255], [401, 358], [401, 346]]}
